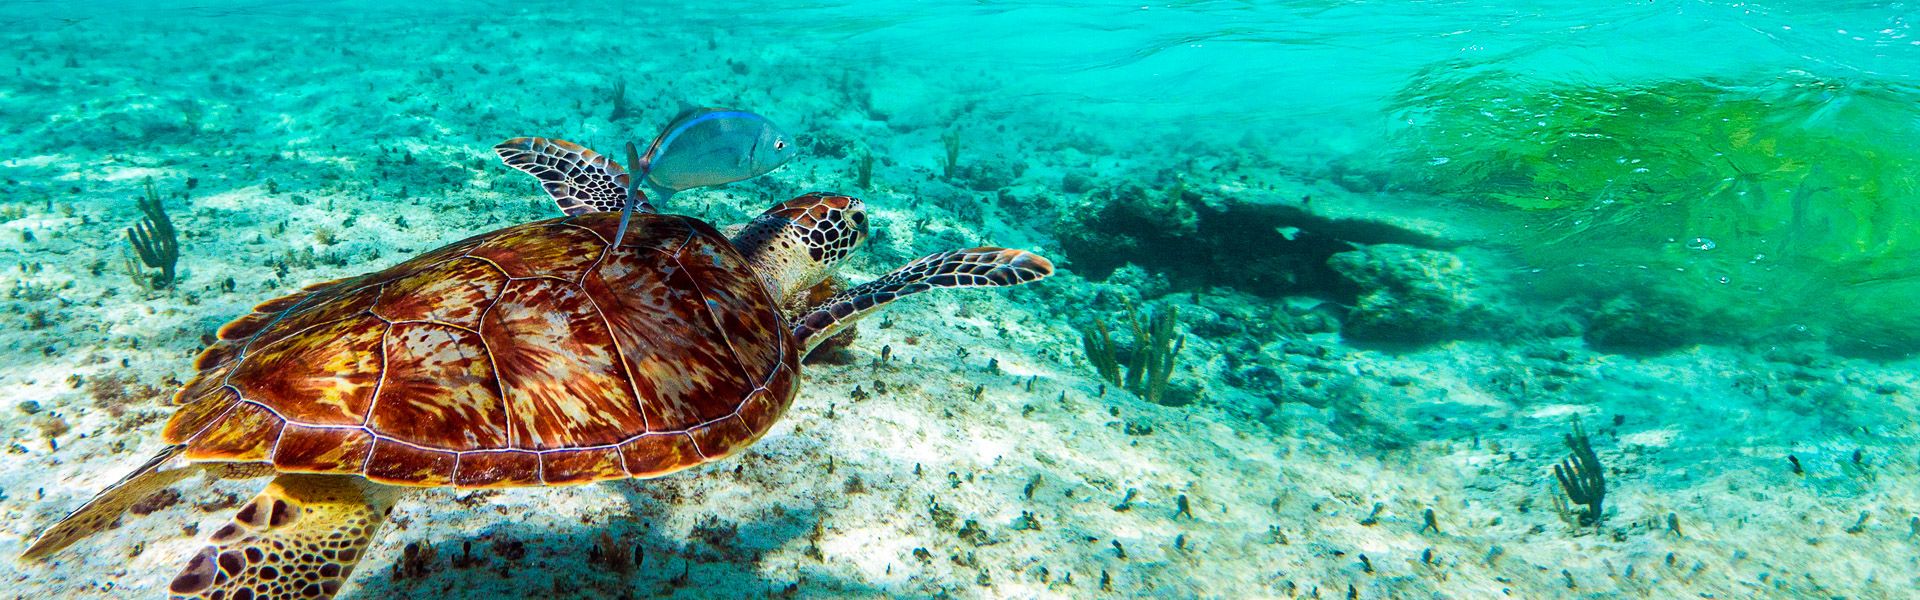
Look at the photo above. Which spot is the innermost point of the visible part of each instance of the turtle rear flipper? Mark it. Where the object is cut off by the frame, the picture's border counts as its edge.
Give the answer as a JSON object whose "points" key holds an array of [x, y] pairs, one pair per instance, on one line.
{"points": [[579, 180], [100, 512], [300, 538], [972, 267]]}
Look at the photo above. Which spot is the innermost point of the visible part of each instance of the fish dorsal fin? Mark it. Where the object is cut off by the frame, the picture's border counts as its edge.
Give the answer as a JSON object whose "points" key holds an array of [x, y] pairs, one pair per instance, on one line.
{"points": [[579, 180], [688, 111]]}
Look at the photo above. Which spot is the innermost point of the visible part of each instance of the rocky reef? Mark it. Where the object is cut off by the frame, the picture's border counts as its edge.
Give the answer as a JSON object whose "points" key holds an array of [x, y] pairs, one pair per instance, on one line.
{"points": [[1410, 294], [1263, 245]]}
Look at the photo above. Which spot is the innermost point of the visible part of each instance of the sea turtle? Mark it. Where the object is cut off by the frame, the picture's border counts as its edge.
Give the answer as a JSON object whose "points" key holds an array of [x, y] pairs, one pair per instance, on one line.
{"points": [[534, 355]]}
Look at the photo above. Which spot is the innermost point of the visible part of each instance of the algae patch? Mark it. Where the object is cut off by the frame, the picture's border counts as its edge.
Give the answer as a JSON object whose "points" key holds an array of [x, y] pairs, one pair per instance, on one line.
{"points": [[1798, 193]]}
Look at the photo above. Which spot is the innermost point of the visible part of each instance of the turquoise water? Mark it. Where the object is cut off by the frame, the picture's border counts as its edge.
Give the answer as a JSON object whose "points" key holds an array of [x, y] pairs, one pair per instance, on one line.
{"points": [[1334, 281]]}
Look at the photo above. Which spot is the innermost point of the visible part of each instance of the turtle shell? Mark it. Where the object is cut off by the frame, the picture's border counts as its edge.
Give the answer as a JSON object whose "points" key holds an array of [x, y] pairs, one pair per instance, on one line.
{"points": [[533, 355]]}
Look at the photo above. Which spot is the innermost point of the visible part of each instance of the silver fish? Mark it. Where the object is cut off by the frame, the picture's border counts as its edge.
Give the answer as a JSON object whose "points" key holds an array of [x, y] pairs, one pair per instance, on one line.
{"points": [[712, 146], [708, 146]]}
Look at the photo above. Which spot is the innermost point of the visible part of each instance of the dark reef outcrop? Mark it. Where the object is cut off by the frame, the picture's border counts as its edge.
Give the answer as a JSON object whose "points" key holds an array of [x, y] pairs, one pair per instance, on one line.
{"points": [[1200, 240]]}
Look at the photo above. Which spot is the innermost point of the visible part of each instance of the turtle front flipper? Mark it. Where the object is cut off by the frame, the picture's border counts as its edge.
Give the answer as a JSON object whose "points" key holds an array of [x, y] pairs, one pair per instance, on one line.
{"points": [[971, 267], [100, 512], [579, 180], [299, 538]]}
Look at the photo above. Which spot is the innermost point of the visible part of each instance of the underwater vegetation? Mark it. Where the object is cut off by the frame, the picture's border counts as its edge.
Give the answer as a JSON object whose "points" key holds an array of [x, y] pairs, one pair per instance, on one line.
{"points": [[1149, 363], [154, 239], [1583, 480], [950, 142], [1707, 192]]}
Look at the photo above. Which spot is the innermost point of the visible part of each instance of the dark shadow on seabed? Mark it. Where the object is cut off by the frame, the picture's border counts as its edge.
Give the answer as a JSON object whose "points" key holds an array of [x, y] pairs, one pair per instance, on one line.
{"points": [[722, 557]]}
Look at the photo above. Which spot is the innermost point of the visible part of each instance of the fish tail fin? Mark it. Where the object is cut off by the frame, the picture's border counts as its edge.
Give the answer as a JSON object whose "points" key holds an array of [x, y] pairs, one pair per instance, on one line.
{"points": [[621, 233], [626, 208]]}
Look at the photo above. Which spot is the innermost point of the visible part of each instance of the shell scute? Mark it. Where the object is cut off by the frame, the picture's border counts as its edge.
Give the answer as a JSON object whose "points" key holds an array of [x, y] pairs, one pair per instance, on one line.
{"points": [[393, 462], [563, 386], [244, 327], [218, 354], [194, 416], [550, 249], [653, 455], [454, 292], [721, 438], [281, 304], [767, 405], [651, 302], [320, 307], [739, 306], [582, 465], [439, 390], [504, 468], [206, 381], [306, 449], [325, 376], [245, 433]]}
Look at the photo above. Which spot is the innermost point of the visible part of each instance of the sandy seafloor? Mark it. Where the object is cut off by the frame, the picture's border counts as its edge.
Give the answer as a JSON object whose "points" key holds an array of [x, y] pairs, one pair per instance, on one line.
{"points": [[301, 162]]}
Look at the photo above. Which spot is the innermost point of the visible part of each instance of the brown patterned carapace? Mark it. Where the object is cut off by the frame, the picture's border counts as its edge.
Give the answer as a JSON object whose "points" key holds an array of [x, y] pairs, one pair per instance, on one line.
{"points": [[532, 355]]}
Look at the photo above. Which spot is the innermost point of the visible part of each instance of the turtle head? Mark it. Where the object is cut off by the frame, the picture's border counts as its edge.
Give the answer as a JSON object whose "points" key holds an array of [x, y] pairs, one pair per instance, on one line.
{"points": [[795, 244]]}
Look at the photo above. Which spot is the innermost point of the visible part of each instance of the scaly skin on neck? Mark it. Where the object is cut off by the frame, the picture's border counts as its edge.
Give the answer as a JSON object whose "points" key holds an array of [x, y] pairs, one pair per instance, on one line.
{"points": [[795, 245]]}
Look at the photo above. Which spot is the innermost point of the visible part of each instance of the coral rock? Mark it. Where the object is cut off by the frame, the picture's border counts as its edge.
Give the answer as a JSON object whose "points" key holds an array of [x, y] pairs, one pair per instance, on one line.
{"points": [[1409, 294]]}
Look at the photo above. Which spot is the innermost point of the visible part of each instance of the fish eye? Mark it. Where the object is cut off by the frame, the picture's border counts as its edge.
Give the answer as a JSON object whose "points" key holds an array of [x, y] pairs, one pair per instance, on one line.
{"points": [[779, 144]]}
